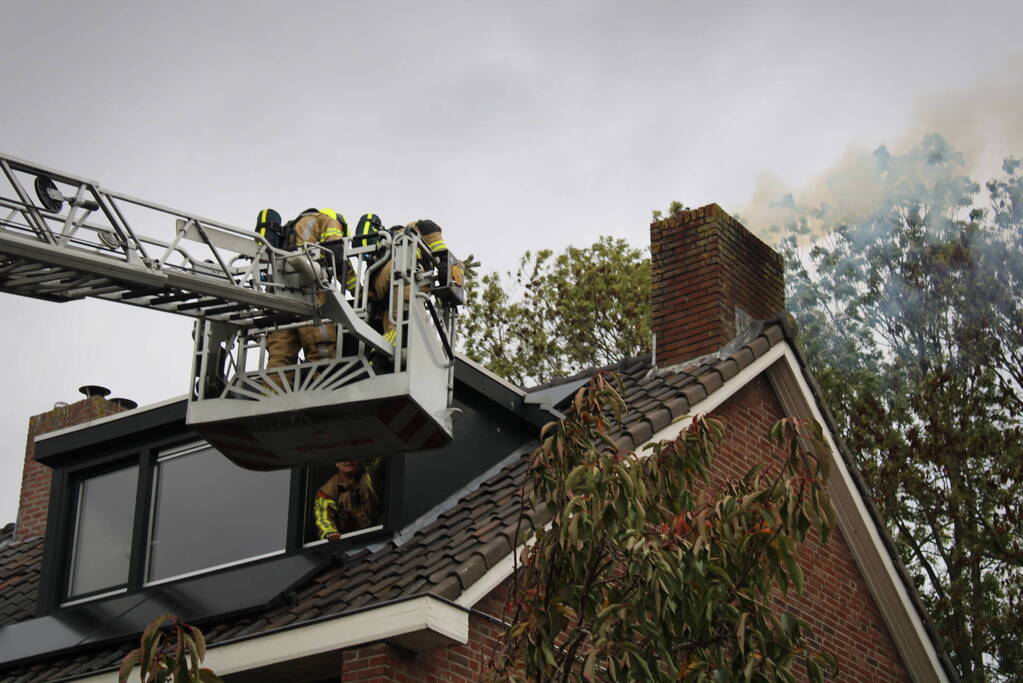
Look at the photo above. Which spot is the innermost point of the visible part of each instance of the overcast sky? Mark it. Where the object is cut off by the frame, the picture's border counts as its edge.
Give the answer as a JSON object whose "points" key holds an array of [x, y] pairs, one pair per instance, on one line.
{"points": [[514, 125]]}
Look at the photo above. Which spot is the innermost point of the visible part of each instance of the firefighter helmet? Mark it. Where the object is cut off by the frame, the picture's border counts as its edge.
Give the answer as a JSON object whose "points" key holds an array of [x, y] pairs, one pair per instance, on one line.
{"points": [[369, 223], [338, 216], [268, 225]]}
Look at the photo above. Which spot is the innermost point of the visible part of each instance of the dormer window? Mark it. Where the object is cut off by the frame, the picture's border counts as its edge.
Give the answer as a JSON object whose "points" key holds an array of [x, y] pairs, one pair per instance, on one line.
{"points": [[175, 508], [101, 549], [208, 513]]}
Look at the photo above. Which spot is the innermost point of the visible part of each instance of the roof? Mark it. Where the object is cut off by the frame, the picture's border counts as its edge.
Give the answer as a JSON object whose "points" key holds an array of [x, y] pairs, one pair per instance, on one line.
{"points": [[447, 551], [19, 579]]}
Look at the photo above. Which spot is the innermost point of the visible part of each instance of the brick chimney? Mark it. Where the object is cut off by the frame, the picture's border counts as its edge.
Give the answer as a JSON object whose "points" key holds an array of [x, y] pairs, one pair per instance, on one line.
{"points": [[708, 272], [35, 477]]}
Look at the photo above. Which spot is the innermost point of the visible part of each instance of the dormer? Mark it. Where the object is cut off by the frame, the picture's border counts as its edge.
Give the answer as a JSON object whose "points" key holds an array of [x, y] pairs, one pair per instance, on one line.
{"points": [[144, 517]]}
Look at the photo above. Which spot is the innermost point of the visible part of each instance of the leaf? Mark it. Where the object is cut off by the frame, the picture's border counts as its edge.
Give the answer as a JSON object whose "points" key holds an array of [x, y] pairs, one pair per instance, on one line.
{"points": [[191, 660], [791, 626], [151, 637], [127, 664], [740, 632], [813, 671], [795, 572], [747, 670], [207, 676], [590, 666], [548, 653], [200, 641]]}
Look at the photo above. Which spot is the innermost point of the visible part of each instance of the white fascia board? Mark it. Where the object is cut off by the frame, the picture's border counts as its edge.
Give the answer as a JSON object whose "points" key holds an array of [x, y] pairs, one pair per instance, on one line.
{"points": [[716, 398], [861, 533], [489, 581], [854, 520], [419, 620]]}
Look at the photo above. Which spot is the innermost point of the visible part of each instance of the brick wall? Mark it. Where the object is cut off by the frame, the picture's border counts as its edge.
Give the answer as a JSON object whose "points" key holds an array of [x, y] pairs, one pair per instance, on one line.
{"points": [[35, 478], [836, 602], [705, 264]]}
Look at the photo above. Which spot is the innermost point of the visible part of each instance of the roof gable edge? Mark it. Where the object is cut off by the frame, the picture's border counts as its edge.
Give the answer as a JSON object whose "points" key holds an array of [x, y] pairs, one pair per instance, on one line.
{"points": [[860, 526]]}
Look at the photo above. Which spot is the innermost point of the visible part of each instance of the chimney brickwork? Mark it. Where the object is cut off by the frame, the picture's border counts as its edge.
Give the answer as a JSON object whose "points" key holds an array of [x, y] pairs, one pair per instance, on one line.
{"points": [[35, 477], [705, 265]]}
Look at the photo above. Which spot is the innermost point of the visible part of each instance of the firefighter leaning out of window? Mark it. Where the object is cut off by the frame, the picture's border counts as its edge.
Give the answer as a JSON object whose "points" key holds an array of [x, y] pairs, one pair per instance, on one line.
{"points": [[314, 226], [348, 501]]}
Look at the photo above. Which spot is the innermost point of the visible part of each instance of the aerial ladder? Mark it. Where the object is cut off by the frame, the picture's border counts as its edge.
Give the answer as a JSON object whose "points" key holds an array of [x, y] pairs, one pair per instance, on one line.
{"points": [[64, 238]]}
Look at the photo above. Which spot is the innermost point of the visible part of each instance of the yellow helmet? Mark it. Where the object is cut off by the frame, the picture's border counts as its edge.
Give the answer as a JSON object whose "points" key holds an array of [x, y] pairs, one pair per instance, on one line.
{"points": [[336, 215]]}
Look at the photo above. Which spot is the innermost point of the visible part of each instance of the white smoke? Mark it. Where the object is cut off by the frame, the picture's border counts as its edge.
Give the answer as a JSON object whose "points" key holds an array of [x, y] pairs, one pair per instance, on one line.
{"points": [[984, 123]]}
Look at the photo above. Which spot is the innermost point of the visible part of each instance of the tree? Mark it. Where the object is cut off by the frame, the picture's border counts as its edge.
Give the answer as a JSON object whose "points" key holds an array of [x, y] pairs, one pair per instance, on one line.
{"points": [[909, 304], [160, 662], [577, 309], [644, 573]]}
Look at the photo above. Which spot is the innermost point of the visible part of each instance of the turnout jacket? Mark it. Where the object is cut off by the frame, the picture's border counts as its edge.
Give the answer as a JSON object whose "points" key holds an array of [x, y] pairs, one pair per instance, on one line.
{"points": [[340, 508], [315, 227]]}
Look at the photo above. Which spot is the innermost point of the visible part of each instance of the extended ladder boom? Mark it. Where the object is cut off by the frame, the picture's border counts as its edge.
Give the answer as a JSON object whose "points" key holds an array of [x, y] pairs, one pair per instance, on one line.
{"points": [[70, 239]]}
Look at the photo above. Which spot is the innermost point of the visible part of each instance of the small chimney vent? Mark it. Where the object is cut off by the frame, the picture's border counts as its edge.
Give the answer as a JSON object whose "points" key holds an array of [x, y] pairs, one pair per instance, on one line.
{"points": [[90, 390]]}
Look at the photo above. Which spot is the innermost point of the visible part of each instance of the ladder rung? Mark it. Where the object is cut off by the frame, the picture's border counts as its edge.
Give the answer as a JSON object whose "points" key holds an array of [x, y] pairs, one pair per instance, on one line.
{"points": [[102, 292], [171, 298], [52, 276], [229, 308], [130, 294], [272, 320], [29, 268], [202, 303], [80, 286]]}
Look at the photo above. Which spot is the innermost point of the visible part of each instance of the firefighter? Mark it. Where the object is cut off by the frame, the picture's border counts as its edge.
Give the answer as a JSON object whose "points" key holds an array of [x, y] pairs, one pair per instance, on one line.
{"points": [[368, 225], [346, 502], [268, 225], [431, 234], [317, 341]]}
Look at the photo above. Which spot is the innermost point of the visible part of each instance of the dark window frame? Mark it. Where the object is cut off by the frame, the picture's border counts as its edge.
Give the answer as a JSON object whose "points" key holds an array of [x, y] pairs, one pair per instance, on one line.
{"points": [[185, 450], [144, 450], [73, 509]]}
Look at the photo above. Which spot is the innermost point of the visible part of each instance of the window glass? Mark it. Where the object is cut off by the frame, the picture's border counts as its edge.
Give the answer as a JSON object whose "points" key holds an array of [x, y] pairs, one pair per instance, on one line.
{"points": [[344, 497], [208, 512], [101, 550]]}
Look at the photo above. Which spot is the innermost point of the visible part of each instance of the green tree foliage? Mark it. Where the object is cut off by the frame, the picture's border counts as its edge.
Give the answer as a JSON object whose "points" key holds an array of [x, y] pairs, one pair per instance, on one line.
{"points": [[177, 661], [674, 209], [645, 573], [910, 303], [561, 313]]}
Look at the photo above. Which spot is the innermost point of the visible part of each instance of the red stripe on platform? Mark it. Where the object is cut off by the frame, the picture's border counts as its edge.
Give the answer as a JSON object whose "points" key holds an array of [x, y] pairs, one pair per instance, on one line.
{"points": [[390, 410], [231, 432], [413, 426], [437, 439]]}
